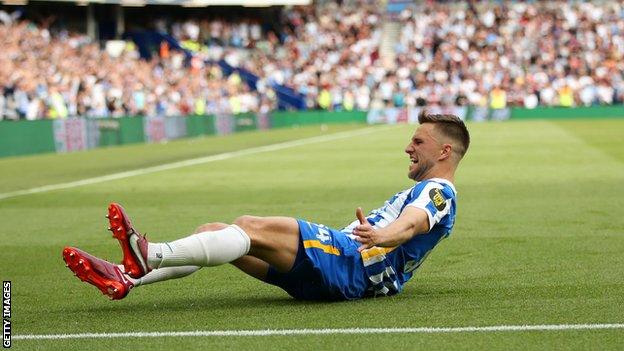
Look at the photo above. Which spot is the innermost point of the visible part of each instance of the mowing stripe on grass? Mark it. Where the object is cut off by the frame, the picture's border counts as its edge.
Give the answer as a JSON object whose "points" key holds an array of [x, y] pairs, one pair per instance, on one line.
{"points": [[287, 332], [194, 161]]}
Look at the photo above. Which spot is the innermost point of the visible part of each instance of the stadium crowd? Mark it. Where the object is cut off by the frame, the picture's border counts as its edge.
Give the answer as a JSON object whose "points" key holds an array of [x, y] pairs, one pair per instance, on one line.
{"points": [[549, 53], [479, 53], [56, 76], [325, 53]]}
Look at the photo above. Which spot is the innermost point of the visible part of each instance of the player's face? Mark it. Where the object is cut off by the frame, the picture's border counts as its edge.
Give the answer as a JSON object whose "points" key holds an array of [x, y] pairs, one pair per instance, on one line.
{"points": [[423, 151]]}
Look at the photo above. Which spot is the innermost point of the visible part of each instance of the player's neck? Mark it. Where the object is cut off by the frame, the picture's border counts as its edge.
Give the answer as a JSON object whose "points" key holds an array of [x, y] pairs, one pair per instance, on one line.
{"points": [[441, 172]]}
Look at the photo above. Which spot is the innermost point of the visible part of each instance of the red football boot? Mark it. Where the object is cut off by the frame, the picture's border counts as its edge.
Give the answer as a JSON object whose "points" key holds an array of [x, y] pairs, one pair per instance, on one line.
{"points": [[133, 244], [102, 274]]}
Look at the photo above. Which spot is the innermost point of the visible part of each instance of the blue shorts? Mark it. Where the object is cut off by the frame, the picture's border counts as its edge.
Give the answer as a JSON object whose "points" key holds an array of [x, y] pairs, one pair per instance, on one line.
{"points": [[327, 267]]}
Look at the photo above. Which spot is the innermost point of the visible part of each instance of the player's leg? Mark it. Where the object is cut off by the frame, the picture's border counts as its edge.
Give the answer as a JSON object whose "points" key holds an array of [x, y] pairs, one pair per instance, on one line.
{"points": [[111, 279], [274, 240], [162, 274], [252, 266]]}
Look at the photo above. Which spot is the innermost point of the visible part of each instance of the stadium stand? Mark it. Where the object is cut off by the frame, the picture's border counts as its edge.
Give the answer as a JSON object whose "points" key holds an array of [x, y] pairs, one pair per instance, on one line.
{"points": [[549, 53], [352, 56], [46, 75]]}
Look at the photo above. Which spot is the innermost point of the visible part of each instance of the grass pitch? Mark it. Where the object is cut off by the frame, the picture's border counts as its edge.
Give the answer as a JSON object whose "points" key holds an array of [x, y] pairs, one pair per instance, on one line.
{"points": [[538, 239]]}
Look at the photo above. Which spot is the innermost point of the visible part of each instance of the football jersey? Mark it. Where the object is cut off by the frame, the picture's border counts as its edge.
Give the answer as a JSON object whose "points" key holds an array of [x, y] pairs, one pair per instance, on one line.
{"points": [[388, 268]]}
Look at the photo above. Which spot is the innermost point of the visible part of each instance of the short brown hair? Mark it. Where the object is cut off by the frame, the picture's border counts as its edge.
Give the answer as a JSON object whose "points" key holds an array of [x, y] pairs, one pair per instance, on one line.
{"points": [[450, 126]]}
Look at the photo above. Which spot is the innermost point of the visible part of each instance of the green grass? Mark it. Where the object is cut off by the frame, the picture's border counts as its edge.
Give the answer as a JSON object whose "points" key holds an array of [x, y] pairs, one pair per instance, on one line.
{"points": [[538, 239]]}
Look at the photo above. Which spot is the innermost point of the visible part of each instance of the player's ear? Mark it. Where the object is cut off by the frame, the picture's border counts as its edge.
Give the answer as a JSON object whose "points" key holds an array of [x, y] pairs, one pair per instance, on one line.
{"points": [[445, 152]]}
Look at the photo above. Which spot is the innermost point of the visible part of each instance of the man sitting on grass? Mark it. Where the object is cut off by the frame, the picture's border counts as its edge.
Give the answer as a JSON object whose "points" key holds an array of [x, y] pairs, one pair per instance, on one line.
{"points": [[374, 255]]}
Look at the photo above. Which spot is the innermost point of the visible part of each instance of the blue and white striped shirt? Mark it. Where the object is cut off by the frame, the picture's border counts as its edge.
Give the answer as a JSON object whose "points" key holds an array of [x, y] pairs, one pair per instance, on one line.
{"points": [[389, 268]]}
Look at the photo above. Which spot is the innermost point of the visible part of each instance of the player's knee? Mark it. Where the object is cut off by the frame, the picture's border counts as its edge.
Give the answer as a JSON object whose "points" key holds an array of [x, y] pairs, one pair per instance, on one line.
{"points": [[210, 227], [249, 223]]}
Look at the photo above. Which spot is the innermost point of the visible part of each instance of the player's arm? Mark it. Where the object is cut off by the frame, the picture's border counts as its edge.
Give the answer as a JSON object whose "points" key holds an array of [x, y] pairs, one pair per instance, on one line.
{"points": [[411, 222]]}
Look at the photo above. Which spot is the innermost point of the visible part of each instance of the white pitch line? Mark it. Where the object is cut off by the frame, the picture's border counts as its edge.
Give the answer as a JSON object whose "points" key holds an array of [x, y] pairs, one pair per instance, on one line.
{"points": [[192, 162], [288, 332]]}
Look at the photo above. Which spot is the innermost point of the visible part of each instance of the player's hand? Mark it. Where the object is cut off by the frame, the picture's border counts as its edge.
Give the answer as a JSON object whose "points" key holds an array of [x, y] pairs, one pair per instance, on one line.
{"points": [[364, 233]]}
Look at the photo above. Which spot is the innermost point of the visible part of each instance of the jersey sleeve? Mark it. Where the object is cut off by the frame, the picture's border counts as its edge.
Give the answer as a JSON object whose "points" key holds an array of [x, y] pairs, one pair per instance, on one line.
{"points": [[434, 199], [349, 229]]}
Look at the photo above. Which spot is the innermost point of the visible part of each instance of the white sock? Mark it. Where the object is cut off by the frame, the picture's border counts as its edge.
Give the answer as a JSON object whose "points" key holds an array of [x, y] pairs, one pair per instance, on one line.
{"points": [[162, 274], [132, 280], [202, 249]]}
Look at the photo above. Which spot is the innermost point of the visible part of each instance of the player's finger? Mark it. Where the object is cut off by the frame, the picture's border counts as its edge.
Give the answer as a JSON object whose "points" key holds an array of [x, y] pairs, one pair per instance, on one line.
{"points": [[363, 247], [360, 215], [360, 233]]}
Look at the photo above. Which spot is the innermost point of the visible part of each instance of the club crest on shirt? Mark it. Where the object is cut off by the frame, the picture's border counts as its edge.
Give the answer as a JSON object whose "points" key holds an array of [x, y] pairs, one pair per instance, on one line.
{"points": [[437, 198]]}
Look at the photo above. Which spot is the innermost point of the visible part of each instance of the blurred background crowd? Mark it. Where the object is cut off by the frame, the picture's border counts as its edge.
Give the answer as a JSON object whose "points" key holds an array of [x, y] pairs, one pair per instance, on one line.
{"points": [[347, 56], [50, 76]]}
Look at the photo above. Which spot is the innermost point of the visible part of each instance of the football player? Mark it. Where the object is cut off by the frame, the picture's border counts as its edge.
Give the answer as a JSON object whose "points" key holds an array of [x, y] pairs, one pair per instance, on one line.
{"points": [[375, 255]]}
